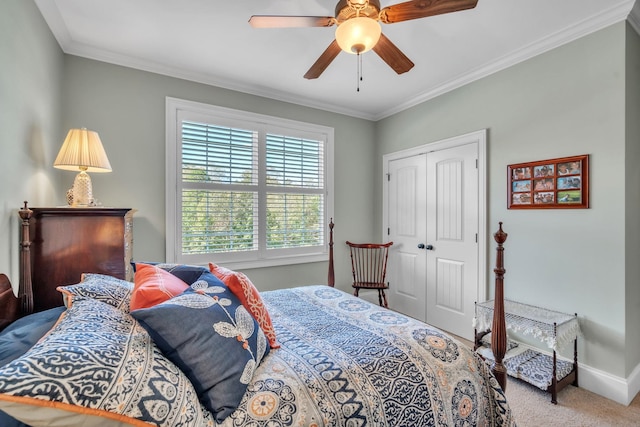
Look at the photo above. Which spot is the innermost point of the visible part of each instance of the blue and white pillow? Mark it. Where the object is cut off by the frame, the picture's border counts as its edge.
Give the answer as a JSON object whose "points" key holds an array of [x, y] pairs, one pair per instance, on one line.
{"points": [[98, 363], [108, 289], [212, 338]]}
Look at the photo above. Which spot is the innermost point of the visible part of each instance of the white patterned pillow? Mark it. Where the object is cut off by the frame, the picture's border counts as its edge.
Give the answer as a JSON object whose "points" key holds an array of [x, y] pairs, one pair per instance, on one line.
{"points": [[98, 362], [108, 289]]}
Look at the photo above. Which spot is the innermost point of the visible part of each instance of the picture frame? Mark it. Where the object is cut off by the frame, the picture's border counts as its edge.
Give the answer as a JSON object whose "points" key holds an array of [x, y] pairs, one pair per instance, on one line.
{"points": [[561, 183]]}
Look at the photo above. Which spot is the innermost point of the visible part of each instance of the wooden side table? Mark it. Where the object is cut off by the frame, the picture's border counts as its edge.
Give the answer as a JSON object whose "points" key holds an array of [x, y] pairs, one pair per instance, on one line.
{"points": [[553, 328], [66, 242]]}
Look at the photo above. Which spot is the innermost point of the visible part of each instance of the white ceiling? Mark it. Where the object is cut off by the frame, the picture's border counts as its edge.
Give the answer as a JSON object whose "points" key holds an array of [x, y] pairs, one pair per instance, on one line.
{"points": [[210, 41]]}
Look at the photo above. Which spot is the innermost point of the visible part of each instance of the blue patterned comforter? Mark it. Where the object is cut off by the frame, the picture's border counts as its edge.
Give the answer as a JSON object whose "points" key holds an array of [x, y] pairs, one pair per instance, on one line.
{"points": [[344, 361]]}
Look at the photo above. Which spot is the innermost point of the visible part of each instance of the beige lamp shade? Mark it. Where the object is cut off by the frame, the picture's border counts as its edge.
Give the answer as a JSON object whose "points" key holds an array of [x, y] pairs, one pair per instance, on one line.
{"points": [[358, 35], [82, 150]]}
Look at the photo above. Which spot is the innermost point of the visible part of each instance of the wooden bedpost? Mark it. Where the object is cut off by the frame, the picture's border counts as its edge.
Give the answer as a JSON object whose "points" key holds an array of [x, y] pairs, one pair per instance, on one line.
{"points": [[25, 289], [331, 278], [499, 329]]}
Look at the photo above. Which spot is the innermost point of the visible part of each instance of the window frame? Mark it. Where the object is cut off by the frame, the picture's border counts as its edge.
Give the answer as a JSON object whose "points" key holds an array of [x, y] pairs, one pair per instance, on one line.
{"points": [[176, 110]]}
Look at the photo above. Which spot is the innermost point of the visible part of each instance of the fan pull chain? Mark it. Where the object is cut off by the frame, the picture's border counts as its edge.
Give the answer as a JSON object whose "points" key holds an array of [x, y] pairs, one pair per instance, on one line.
{"points": [[359, 66]]}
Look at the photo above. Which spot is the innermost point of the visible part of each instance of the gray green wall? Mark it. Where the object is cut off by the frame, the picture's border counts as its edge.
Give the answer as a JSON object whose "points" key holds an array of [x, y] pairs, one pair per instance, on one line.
{"points": [[568, 101], [127, 108], [31, 70], [632, 197]]}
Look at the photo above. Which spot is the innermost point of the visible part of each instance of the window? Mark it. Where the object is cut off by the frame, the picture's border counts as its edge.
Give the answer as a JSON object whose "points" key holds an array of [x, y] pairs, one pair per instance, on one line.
{"points": [[244, 189]]}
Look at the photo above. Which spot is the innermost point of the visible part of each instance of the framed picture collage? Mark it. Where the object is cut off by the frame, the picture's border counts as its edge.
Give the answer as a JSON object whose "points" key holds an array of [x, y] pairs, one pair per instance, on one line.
{"points": [[549, 184]]}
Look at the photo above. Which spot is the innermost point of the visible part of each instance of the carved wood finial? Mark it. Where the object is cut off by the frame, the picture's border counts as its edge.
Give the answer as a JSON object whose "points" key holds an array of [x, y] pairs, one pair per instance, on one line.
{"points": [[500, 236], [25, 288], [331, 278]]}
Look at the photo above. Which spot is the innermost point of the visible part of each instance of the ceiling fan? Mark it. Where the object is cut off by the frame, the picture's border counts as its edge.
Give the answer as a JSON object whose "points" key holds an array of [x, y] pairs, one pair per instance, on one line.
{"points": [[359, 28]]}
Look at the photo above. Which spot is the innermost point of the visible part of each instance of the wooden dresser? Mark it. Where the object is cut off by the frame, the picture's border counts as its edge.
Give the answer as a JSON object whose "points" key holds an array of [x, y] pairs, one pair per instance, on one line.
{"points": [[66, 242]]}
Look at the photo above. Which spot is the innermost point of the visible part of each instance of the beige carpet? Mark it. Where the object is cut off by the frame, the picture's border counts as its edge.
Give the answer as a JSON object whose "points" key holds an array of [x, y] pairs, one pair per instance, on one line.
{"points": [[576, 407]]}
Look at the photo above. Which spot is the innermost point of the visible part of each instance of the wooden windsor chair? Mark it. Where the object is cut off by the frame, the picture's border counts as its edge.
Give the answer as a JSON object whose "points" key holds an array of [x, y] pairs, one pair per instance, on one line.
{"points": [[369, 267]]}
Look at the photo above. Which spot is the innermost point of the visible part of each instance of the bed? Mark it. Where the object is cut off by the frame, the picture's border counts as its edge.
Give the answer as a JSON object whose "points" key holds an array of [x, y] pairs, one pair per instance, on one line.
{"points": [[304, 356]]}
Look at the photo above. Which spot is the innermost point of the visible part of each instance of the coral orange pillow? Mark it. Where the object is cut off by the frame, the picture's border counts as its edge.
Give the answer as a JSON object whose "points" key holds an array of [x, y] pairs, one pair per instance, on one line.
{"points": [[153, 285], [247, 293]]}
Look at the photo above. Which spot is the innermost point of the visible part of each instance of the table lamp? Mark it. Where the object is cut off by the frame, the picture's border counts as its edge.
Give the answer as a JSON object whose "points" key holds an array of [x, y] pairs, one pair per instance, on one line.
{"points": [[82, 151]]}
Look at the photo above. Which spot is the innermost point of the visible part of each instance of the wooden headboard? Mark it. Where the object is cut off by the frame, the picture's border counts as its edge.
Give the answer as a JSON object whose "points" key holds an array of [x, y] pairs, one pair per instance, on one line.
{"points": [[9, 307], [12, 308]]}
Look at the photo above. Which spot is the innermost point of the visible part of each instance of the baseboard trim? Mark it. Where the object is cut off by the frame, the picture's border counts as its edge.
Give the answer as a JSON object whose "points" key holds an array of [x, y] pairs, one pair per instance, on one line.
{"points": [[634, 383], [621, 390]]}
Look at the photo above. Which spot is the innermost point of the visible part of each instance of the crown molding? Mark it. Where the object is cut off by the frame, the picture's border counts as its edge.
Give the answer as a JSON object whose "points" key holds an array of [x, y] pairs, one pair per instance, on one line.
{"points": [[634, 17], [550, 42], [102, 55], [628, 10], [55, 22]]}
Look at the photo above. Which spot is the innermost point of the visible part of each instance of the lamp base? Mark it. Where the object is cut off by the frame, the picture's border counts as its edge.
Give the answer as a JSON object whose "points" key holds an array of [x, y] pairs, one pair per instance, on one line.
{"points": [[82, 190]]}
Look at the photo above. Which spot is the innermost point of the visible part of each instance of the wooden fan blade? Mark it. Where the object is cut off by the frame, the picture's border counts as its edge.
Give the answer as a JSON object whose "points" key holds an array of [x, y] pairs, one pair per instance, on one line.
{"points": [[323, 62], [422, 8], [272, 21], [393, 56]]}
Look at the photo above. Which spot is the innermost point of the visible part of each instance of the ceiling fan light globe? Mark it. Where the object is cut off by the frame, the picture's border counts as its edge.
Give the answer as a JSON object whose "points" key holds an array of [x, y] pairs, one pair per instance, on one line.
{"points": [[358, 35]]}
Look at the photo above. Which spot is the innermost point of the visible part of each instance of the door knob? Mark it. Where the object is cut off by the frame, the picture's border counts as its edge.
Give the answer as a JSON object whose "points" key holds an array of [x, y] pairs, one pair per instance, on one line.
{"points": [[429, 247], [421, 246]]}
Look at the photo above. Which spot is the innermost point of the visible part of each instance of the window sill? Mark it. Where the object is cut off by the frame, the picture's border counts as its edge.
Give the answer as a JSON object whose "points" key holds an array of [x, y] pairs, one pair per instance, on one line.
{"points": [[261, 263]]}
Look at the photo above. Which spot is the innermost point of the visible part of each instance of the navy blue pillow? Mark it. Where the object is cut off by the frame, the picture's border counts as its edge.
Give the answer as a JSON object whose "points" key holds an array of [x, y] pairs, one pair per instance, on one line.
{"points": [[185, 272], [22, 334], [212, 338]]}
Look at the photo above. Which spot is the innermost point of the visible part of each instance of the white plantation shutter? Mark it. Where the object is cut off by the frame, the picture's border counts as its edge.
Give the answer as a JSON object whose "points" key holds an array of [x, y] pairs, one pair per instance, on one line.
{"points": [[250, 189], [295, 187], [227, 155], [215, 218], [295, 162]]}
